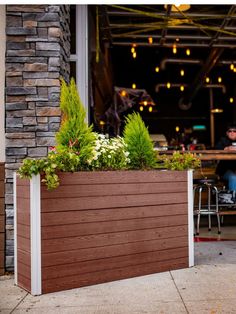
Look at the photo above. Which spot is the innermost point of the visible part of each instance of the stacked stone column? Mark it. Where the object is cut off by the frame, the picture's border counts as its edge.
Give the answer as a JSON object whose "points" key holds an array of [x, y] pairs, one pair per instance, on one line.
{"points": [[37, 55]]}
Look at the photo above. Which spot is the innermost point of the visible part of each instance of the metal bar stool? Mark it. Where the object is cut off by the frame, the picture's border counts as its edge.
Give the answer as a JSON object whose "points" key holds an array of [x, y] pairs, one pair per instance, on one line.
{"points": [[209, 209]]}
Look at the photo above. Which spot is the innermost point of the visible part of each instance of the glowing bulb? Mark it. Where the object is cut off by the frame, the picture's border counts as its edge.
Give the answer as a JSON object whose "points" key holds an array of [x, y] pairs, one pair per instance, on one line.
{"points": [[150, 40], [234, 69], [150, 109], [174, 49], [141, 108], [134, 54], [207, 80], [133, 50], [145, 103], [231, 66], [133, 85], [219, 79], [101, 122], [231, 100], [182, 72], [123, 93], [157, 69], [177, 128], [188, 52], [168, 85], [182, 88]]}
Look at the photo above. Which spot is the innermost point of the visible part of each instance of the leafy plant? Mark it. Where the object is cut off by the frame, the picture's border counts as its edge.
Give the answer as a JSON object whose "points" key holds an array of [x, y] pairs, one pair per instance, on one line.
{"points": [[65, 160], [74, 131], [139, 143], [180, 161], [109, 154]]}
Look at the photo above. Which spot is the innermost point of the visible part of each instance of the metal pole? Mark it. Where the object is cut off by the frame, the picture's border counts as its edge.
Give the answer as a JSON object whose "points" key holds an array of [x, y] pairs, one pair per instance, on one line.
{"points": [[212, 119]]}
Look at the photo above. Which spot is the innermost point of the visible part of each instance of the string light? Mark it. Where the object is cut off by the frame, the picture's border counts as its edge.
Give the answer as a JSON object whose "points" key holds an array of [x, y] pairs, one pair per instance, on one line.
{"points": [[231, 100], [132, 50], [207, 79], [182, 88], [141, 108], [174, 49], [157, 69], [168, 85], [150, 109], [182, 72], [123, 93], [133, 85], [150, 40], [145, 102], [177, 128], [232, 66], [134, 54], [219, 79], [188, 52]]}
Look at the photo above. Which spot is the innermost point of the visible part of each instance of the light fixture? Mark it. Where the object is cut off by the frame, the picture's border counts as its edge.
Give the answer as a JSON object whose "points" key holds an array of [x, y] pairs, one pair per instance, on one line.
{"points": [[177, 128], [232, 66], [141, 108], [150, 40], [188, 52], [157, 69], [132, 50], [182, 88], [217, 110], [182, 72], [168, 85], [207, 79], [134, 54], [150, 109], [231, 100], [123, 93], [174, 49], [102, 123], [178, 7], [219, 79], [133, 85]]}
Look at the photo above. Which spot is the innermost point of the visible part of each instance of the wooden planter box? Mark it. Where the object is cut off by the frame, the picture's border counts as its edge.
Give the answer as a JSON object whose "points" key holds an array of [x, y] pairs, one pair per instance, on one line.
{"points": [[101, 226], [2, 219]]}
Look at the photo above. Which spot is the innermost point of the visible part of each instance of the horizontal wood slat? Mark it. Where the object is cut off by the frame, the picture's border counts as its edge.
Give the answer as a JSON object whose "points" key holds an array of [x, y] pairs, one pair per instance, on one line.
{"points": [[23, 234], [69, 282], [74, 256], [97, 202], [2, 218]]}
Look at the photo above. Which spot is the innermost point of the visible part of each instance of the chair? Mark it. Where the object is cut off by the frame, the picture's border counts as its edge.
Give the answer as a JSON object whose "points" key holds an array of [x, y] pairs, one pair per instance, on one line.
{"points": [[209, 186]]}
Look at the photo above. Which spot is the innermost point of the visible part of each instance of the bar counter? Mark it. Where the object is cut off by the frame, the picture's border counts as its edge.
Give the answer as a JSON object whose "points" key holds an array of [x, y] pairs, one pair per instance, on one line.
{"points": [[208, 154]]}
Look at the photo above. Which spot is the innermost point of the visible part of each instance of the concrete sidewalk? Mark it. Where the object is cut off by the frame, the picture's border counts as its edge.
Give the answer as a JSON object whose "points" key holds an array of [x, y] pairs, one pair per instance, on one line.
{"points": [[200, 289], [209, 287]]}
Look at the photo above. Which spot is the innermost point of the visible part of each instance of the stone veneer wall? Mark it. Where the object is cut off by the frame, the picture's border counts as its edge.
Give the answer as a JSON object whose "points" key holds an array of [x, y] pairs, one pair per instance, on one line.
{"points": [[37, 54]]}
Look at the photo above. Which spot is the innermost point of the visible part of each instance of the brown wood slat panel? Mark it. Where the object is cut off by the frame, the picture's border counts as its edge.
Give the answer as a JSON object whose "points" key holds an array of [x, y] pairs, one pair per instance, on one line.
{"points": [[111, 275], [23, 219], [2, 171], [130, 176], [83, 203], [24, 270], [2, 207], [52, 232], [111, 263], [73, 217], [2, 188], [23, 257], [73, 256], [2, 223], [24, 282], [73, 243], [20, 182], [67, 191], [23, 244], [24, 231]]}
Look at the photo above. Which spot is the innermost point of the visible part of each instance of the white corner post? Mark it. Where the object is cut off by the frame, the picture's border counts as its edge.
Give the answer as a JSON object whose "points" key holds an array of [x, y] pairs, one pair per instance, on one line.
{"points": [[15, 229], [82, 54], [35, 235], [190, 219]]}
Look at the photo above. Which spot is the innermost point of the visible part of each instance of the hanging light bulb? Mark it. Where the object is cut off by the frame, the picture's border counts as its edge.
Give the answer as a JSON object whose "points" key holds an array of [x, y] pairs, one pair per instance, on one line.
{"points": [[231, 100], [132, 50], [174, 49], [188, 52], [182, 72], [219, 79], [177, 128], [231, 66], [134, 54], [182, 88], [168, 85], [157, 69], [123, 93], [150, 109], [145, 102], [207, 79], [133, 85], [141, 108], [150, 40]]}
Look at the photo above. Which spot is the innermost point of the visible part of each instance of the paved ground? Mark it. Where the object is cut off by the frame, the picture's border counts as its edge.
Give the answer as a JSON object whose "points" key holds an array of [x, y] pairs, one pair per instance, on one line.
{"points": [[209, 287]]}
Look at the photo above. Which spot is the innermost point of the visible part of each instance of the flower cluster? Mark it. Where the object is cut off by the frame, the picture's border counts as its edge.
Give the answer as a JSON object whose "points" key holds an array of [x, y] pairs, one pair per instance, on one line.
{"points": [[109, 153]]}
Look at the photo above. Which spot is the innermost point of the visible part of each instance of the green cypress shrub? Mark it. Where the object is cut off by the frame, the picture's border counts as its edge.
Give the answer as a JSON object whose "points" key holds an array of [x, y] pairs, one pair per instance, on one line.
{"points": [[139, 144]]}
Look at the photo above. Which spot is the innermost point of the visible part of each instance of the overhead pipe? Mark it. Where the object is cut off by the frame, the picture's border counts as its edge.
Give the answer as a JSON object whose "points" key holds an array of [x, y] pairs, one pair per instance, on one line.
{"points": [[145, 44], [173, 60]]}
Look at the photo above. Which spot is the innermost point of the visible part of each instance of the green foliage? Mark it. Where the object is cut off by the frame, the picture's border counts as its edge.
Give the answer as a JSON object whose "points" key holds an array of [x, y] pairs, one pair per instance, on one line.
{"points": [[180, 161], [109, 154], [65, 160], [139, 143], [74, 131]]}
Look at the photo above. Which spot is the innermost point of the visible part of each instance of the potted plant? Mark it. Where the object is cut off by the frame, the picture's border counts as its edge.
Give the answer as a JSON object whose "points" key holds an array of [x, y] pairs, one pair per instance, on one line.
{"points": [[97, 209]]}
